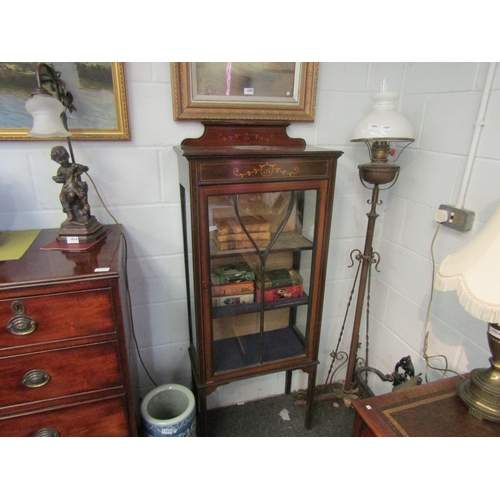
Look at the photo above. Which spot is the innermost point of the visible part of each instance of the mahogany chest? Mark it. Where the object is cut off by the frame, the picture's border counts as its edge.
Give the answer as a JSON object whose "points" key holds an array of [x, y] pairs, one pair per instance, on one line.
{"points": [[63, 355]]}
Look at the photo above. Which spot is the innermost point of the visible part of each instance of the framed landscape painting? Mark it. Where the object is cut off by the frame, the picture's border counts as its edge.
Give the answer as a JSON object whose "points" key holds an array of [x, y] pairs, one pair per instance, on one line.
{"points": [[282, 91], [99, 92]]}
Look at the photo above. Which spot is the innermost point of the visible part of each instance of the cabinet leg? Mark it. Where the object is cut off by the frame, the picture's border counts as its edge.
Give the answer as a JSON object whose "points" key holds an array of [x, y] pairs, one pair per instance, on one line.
{"points": [[201, 421], [288, 382], [311, 385]]}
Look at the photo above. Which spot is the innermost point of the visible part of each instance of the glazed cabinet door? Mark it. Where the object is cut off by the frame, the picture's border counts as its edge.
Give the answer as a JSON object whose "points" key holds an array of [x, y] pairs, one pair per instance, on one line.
{"points": [[260, 275]]}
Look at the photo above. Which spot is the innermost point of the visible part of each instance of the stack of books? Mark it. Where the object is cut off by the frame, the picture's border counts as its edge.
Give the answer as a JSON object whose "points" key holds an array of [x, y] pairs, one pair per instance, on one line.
{"points": [[280, 284], [231, 236], [232, 284]]}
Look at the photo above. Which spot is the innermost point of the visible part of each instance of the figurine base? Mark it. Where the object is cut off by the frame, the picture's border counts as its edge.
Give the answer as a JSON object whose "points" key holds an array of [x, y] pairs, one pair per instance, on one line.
{"points": [[72, 232]]}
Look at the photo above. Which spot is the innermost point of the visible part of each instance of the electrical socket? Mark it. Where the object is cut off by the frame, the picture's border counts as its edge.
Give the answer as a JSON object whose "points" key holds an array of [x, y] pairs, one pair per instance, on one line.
{"points": [[459, 219]]}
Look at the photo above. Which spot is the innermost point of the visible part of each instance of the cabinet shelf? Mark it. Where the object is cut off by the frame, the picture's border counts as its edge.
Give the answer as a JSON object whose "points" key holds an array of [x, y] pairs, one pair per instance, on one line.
{"points": [[219, 312], [244, 351], [287, 241]]}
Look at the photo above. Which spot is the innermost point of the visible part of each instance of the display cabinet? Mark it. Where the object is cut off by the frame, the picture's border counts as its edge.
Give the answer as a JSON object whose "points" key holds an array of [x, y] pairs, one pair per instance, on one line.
{"points": [[257, 210]]}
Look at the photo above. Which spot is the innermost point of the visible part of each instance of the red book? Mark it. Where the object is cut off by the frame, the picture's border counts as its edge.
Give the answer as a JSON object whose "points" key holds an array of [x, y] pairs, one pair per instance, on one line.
{"points": [[283, 293]]}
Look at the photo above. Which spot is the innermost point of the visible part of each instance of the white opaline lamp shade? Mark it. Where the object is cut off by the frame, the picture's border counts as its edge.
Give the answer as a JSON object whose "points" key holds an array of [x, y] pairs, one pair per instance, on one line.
{"points": [[46, 111], [474, 272], [384, 122]]}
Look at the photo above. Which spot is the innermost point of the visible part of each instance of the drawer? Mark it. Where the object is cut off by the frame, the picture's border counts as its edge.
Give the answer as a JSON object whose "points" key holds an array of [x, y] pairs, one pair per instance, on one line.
{"points": [[99, 418], [55, 317], [70, 371]]}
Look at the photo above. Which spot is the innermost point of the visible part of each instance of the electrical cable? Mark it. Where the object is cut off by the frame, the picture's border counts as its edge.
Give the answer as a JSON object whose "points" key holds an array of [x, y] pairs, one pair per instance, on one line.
{"points": [[426, 357], [129, 300]]}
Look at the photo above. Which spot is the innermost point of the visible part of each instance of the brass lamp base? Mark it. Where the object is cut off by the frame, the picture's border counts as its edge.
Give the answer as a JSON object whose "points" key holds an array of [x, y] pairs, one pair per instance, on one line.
{"points": [[481, 392], [378, 173], [92, 231]]}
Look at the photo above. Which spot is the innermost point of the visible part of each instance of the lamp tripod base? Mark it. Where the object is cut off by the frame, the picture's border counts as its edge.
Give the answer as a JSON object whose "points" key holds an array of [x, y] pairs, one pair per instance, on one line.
{"points": [[481, 392], [92, 231]]}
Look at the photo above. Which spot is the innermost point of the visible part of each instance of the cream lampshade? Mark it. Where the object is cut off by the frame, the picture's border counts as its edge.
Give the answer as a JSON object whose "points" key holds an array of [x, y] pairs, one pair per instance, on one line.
{"points": [[46, 111], [474, 272]]}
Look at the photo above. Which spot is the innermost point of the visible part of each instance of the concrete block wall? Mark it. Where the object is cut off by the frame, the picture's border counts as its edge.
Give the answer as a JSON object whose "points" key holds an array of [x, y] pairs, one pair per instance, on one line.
{"points": [[442, 101], [138, 181]]}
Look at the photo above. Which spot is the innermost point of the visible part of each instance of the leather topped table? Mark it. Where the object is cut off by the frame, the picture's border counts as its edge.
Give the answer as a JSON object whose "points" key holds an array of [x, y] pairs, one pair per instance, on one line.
{"points": [[427, 410]]}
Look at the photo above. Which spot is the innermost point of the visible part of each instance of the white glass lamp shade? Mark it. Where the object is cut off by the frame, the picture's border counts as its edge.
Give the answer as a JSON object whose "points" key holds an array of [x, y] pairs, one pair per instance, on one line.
{"points": [[384, 122], [46, 111], [474, 272]]}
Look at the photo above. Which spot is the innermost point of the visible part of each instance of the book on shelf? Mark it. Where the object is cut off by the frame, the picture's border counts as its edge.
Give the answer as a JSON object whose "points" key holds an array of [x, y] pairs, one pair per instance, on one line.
{"points": [[283, 293], [240, 245], [263, 235], [232, 273], [241, 288], [231, 225], [278, 278], [232, 300]]}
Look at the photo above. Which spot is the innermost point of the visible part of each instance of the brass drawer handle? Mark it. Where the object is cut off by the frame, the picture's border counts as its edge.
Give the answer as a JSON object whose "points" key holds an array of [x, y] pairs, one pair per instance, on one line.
{"points": [[36, 378], [20, 324], [47, 432]]}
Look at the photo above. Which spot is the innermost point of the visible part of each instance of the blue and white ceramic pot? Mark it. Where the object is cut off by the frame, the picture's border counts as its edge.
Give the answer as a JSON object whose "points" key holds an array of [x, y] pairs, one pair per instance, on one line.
{"points": [[169, 411]]}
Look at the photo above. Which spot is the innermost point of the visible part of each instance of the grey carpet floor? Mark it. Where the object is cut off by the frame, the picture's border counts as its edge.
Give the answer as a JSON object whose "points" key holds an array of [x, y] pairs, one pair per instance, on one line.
{"points": [[281, 416]]}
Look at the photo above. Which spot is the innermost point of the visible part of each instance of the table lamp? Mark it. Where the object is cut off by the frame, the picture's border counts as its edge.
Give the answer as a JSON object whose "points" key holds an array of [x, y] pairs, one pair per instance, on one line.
{"points": [[474, 273], [50, 120], [378, 129]]}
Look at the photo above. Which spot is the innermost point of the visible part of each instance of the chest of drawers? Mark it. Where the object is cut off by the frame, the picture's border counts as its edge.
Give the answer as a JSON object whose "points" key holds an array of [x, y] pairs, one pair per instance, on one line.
{"points": [[63, 352]]}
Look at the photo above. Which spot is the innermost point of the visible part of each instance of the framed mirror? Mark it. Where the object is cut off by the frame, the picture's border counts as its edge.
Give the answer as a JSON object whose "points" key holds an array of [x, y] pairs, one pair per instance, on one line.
{"points": [[282, 91]]}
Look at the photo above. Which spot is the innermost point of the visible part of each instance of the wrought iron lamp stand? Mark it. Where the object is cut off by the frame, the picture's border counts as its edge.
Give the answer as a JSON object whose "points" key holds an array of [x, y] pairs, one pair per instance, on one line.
{"points": [[372, 175]]}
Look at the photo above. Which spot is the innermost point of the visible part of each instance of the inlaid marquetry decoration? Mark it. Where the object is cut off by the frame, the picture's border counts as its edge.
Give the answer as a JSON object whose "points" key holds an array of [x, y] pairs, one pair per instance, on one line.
{"points": [[266, 170]]}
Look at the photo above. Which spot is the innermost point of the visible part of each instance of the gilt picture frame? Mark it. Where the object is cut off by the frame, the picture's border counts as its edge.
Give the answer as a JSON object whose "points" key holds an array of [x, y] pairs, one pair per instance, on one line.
{"points": [[244, 91], [100, 98]]}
